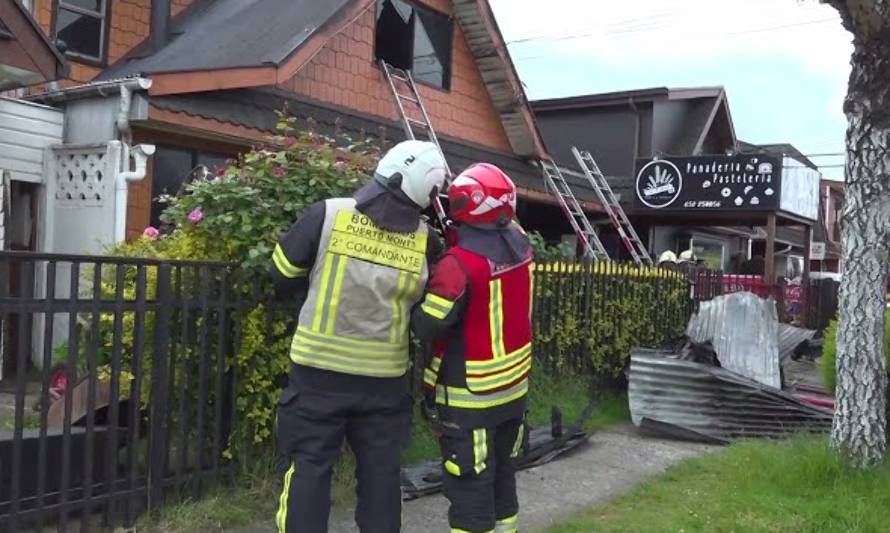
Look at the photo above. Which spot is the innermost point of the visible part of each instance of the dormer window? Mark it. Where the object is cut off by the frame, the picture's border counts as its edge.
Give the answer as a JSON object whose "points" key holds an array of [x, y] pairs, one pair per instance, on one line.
{"points": [[415, 38]]}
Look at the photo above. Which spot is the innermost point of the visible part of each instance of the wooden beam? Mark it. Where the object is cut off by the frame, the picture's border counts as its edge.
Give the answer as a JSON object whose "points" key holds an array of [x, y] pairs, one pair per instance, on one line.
{"points": [[212, 80]]}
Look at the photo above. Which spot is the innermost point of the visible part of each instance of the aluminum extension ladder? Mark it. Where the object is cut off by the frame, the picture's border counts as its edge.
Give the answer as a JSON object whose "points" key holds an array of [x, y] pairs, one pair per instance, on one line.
{"points": [[553, 178], [613, 208], [416, 122]]}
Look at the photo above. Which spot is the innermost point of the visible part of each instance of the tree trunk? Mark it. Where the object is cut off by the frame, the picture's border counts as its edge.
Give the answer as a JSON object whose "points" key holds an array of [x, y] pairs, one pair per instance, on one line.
{"points": [[860, 420]]}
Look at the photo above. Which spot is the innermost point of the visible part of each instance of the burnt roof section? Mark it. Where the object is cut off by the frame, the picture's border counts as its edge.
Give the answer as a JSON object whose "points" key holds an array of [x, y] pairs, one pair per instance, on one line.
{"points": [[499, 76], [224, 34], [259, 109], [781, 149]]}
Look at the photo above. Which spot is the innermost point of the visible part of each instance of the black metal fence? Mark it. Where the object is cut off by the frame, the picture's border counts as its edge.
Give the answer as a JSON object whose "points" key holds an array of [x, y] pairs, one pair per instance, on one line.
{"points": [[141, 351], [131, 366]]}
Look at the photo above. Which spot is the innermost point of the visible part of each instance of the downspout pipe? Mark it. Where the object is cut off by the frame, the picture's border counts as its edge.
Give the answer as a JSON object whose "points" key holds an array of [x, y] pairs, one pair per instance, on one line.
{"points": [[140, 155]]}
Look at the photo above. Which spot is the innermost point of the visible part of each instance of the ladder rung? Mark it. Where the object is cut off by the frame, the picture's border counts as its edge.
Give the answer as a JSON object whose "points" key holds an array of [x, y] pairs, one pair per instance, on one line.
{"points": [[408, 98], [418, 123]]}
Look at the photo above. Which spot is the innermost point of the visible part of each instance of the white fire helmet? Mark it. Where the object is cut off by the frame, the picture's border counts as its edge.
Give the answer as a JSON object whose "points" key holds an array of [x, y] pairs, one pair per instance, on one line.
{"points": [[667, 257], [421, 166], [687, 256]]}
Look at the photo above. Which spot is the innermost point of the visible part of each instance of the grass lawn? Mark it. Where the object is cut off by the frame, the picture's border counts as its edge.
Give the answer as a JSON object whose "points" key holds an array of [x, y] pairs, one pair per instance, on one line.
{"points": [[254, 496], [794, 486]]}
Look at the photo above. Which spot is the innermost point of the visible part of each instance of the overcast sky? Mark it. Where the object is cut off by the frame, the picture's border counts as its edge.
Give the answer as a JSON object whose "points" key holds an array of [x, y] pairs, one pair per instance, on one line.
{"points": [[784, 63]]}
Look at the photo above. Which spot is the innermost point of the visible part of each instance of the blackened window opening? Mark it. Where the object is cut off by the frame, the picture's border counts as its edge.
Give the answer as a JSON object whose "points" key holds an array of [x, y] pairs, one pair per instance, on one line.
{"points": [[170, 167], [414, 38], [80, 24]]}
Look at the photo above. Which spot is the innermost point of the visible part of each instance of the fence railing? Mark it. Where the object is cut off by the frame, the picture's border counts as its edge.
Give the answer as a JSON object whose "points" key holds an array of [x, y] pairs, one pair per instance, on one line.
{"points": [[124, 382], [146, 403], [586, 317]]}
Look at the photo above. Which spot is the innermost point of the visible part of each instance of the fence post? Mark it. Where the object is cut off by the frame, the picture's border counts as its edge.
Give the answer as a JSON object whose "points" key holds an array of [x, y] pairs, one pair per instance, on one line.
{"points": [[159, 388]]}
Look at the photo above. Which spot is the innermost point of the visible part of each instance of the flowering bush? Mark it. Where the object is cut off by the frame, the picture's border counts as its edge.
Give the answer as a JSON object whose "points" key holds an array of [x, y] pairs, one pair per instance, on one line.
{"points": [[237, 216]]}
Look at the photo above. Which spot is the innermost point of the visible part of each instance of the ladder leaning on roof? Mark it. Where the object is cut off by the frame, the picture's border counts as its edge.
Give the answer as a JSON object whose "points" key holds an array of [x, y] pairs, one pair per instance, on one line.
{"points": [[613, 208], [571, 207], [415, 121]]}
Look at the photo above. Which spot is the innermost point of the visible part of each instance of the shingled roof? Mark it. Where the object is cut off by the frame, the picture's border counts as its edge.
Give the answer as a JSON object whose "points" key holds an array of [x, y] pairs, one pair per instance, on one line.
{"points": [[235, 44]]}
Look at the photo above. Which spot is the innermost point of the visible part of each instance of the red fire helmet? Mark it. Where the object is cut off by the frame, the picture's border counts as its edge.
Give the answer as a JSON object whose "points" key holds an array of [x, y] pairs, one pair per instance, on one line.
{"points": [[482, 194]]}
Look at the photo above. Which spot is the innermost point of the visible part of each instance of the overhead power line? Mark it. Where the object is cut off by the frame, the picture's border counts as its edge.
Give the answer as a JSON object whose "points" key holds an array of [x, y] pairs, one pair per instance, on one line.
{"points": [[656, 26]]}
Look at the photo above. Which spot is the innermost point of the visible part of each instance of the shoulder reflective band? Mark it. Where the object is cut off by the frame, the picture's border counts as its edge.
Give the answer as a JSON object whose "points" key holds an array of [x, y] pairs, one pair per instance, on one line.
{"points": [[480, 450], [496, 318], [354, 235], [285, 267], [459, 530], [464, 399], [436, 306]]}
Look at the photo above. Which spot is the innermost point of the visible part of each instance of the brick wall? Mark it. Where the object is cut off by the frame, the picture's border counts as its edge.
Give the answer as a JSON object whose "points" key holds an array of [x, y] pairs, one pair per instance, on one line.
{"points": [[344, 73]]}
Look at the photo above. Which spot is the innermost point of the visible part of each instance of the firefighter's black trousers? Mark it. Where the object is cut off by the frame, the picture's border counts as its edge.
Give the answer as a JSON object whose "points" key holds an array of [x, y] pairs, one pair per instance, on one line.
{"points": [[480, 476], [312, 425]]}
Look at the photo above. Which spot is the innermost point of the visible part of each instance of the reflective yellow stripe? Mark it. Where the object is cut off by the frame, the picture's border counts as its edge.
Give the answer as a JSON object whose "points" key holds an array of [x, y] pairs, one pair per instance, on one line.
{"points": [[436, 306], [375, 347], [436, 363], [480, 450], [458, 530], [287, 269], [496, 318], [452, 468], [281, 516], [463, 398], [501, 379], [517, 444], [397, 312], [531, 290], [321, 305], [334, 298], [507, 525], [430, 377], [491, 365], [434, 312], [366, 358]]}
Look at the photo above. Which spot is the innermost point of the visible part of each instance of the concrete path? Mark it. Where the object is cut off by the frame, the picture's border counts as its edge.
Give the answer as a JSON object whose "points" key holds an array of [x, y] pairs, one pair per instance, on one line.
{"points": [[612, 462]]}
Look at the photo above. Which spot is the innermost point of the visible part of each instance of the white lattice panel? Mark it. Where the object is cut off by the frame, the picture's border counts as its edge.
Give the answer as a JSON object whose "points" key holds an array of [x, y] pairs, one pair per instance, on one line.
{"points": [[83, 177]]}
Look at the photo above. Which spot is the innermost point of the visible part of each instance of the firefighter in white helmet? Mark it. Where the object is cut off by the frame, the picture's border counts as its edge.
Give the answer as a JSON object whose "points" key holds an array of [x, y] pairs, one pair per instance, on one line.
{"points": [[359, 264]]}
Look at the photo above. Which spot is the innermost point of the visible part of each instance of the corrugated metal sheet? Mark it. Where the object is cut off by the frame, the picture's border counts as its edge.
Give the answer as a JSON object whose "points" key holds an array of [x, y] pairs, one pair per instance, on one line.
{"points": [[791, 337], [692, 400], [744, 330]]}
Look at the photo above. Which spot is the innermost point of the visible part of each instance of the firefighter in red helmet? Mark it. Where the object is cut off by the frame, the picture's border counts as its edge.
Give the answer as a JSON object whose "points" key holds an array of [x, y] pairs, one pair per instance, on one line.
{"points": [[477, 308]]}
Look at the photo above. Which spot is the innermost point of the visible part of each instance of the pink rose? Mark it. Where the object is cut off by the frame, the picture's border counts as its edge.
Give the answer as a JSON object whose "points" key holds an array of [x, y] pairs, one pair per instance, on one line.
{"points": [[279, 172], [196, 215], [151, 232]]}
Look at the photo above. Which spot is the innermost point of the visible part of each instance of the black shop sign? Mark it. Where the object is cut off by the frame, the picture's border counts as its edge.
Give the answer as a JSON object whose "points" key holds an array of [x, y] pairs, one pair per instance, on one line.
{"points": [[739, 182]]}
